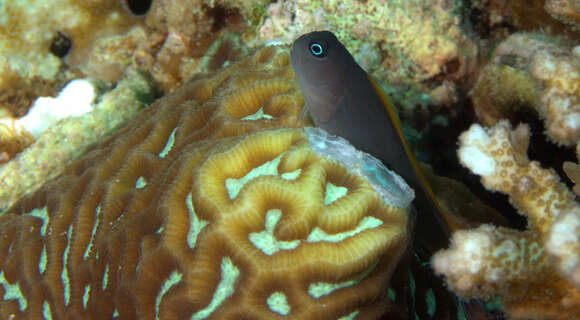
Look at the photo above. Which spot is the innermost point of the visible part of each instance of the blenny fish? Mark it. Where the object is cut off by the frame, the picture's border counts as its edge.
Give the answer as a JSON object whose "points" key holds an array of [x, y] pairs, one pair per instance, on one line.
{"points": [[345, 101]]}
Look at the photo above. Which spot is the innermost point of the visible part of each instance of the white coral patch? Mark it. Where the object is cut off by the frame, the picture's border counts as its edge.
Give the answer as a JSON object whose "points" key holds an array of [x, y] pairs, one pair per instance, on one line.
{"points": [[366, 223], [86, 295], [234, 186], [46, 312], [195, 223], [320, 289], [43, 215], [472, 151], [563, 241], [12, 291], [64, 274], [278, 303], [74, 100], [96, 220], [171, 281], [266, 240], [224, 289], [258, 115], [333, 193], [572, 121], [468, 255], [477, 161], [168, 144]]}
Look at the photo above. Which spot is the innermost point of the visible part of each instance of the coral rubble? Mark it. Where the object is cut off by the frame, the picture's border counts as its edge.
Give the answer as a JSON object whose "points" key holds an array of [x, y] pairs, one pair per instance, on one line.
{"points": [[536, 271], [201, 207]]}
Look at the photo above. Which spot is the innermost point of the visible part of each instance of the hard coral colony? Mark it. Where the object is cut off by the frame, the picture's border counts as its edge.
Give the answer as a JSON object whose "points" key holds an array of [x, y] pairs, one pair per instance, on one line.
{"points": [[213, 203], [202, 208]]}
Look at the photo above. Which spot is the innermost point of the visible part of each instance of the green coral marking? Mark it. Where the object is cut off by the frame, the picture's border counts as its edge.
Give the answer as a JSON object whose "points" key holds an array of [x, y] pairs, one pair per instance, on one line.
{"points": [[258, 115], [494, 304], [266, 241], [319, 289], [225, 288], [293, 175], [350, 316], [43, 215], [43, 260], [86, 295], [277, 303], [195, 224], [46, 311], [115, 313], [333, 192], [93, 231], [105, 281], [461, 311], [172, 280], [413, 288], [64, 273], [140, 183], [366, 223], [12, 291], [168, 144], [391, 294], [430, 302], [267, 168]]}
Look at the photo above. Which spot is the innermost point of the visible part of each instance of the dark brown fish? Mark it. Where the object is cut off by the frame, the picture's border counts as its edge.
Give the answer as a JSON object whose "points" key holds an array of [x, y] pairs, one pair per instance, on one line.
{"points": [[344, 101]]}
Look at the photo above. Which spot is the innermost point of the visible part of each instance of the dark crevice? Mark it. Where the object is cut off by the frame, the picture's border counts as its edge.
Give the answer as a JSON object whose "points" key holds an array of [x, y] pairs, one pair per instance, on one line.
{"points": [[139, 7], [60, 45]]}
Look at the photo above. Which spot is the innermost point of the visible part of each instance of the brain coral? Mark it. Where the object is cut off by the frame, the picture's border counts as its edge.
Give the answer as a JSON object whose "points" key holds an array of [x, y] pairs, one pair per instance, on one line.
{"points": [[203, 207]]}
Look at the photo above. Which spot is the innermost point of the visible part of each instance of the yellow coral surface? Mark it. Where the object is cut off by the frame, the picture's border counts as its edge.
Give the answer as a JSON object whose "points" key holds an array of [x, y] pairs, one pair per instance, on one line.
{"points": [[197, 210]]}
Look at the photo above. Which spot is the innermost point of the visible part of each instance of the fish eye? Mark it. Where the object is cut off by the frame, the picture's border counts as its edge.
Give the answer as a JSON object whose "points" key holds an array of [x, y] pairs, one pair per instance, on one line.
{"points": [[317, 49]]}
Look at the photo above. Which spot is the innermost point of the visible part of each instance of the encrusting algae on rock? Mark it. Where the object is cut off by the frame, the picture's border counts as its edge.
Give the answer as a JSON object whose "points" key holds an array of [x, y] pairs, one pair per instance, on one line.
{"points": [[203, 207]]}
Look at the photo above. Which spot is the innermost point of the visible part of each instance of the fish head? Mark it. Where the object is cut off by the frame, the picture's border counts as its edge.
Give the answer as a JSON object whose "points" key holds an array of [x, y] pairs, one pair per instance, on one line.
{"points": [[322, 66]]}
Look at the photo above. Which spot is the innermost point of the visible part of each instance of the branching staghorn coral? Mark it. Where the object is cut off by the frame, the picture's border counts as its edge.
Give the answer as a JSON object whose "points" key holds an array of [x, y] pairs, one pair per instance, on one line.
{"points": [[202, 208], [535, 272]]}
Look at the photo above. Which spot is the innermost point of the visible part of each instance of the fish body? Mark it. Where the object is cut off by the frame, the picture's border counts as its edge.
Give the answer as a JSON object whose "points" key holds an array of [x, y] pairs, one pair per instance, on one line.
{"points": [[343, 100]]}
